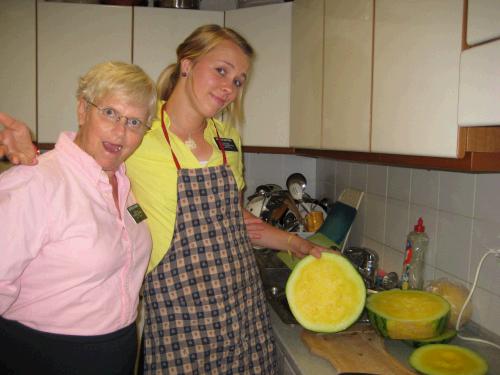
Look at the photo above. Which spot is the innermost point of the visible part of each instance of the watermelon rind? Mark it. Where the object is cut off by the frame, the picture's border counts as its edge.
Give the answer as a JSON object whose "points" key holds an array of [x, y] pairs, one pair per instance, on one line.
{"points": [[447, 359], [326, 294], [443, 338], [408, 314]]}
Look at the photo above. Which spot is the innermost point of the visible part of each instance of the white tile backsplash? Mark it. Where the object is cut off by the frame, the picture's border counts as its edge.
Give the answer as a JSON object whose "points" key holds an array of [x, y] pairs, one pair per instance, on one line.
{"points": [[399, 183], [377, 180], [359, 176], [342, 176], [424, 187], [375, 217], [453, 244], [456, 193], [461, 212], [487, 204], [397, 220]]}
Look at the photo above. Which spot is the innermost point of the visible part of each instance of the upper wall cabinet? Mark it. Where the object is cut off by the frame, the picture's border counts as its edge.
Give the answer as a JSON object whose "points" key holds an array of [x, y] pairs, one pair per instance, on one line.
{"points": [[71, 39], [18, 62], [483, 21], [267, 97], [307, 74], [417, 49], [480, 66], [347, 75], [158, 32], [479, 101]]}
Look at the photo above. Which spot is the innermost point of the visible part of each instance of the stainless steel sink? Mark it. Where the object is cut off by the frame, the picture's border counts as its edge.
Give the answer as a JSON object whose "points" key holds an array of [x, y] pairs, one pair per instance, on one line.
{"points": [[274, 274]]}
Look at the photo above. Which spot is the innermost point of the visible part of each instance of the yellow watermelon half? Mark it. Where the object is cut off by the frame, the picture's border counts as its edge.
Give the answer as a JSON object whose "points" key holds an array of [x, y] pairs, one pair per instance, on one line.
{"points": [[408, 314], [325, 294], [446, 359]]}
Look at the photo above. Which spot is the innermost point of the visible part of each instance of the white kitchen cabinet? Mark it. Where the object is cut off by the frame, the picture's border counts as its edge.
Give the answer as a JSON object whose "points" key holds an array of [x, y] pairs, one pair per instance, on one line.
{"points": [[158, 32], [267, 98], [306, 95], [71, 39], [479, 99], [18, 61], [347, 75], [483, 20], [417, 49]]}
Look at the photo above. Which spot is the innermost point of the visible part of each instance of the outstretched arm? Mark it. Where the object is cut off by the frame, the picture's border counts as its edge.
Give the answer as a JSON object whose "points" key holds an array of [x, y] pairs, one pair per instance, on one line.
{"points": [[15, 141], [265, 235]]}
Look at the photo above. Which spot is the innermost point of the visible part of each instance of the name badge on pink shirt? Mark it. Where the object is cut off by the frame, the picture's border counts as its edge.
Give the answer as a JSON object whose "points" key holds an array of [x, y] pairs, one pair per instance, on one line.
{"points": [[137, 213]]}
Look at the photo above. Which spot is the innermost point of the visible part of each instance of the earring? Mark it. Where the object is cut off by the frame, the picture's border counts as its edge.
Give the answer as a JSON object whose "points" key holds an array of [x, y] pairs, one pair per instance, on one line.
{"points": [[184, 74]]}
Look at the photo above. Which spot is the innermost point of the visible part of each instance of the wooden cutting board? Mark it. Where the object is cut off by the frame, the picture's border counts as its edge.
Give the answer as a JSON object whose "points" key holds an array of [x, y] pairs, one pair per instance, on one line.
{"points": [[358, 349]]}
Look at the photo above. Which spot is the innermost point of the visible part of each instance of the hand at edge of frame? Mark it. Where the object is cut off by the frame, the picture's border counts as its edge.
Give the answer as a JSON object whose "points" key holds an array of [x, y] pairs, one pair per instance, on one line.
{"points": [[15, 141]]}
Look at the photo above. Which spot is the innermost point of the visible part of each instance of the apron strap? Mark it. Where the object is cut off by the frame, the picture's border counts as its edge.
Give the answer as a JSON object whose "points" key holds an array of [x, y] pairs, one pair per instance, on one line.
{"points": [[165, 133]]}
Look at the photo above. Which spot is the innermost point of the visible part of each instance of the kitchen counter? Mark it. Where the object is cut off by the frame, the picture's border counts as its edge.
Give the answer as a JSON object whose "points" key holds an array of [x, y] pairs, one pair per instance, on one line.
{"points": [[305, 363]]}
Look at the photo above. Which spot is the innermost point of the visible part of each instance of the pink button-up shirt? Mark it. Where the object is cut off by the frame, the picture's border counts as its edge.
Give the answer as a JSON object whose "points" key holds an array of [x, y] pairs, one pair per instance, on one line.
{"points": [[69, 263]]}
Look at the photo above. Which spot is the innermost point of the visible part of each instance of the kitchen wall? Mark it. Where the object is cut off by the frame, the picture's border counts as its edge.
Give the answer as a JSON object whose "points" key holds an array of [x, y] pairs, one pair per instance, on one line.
{"points": [[461, 213]]}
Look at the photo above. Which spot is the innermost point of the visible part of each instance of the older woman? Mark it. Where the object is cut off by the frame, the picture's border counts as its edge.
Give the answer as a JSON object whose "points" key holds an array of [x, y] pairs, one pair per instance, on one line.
{"points": [[74, 242]]}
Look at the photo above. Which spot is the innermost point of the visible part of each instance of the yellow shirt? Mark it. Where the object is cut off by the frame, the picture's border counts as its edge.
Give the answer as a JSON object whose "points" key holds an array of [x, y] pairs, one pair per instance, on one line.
{"points": [[153, 174]]}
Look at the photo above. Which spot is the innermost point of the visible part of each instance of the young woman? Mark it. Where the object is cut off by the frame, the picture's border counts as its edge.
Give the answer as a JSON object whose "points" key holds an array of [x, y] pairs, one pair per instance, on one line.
{"points": [[205, 311]]}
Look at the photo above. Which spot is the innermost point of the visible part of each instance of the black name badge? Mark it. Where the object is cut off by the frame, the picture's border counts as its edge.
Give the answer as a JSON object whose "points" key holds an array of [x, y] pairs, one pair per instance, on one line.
{"points": [[137, 213], [228, 144]]}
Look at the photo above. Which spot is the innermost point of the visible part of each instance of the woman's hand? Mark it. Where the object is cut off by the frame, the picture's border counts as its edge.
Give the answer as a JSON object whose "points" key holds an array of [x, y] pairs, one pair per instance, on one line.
{"points": [[15, 141], [301, 247], [255, 226]]}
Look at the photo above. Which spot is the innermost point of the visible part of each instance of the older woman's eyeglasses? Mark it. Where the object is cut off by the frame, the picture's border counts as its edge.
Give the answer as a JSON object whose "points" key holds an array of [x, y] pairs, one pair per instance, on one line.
{"points": [[114, 116]]}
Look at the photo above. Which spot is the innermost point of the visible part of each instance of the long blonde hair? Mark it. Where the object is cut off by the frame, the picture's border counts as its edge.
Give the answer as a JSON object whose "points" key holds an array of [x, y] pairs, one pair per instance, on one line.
{"points": [[199, 43]]}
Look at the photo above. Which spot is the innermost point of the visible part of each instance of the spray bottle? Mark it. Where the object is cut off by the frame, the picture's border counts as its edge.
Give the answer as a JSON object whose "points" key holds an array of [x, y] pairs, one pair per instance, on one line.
{"points": [[416, 246]]}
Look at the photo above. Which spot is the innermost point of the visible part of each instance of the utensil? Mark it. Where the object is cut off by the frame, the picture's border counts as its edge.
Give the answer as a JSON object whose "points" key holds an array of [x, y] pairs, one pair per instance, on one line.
{"points": [[296, 184], [366, 261], [181, 4], [390, 281]]}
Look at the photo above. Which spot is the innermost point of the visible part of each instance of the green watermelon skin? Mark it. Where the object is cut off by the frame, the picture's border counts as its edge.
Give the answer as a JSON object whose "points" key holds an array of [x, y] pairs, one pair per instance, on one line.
{"points": [[446, 337]]}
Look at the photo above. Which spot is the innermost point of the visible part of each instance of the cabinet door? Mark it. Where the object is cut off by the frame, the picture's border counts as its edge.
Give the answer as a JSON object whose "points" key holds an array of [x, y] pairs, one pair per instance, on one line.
{"points": [[307, 73], [480, 85], [71, 39], [415, 80], [483, 20], [158, 32], [18, 61], [267, 97], [347, 75]]}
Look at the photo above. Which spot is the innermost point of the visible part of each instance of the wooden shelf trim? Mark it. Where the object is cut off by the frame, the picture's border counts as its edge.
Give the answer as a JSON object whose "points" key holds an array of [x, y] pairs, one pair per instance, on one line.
{"points": [[471, 162], [479, 150]]}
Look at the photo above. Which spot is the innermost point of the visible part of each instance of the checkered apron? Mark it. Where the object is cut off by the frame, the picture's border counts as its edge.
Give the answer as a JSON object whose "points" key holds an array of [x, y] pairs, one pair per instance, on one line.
{"points": [[205, 306]]}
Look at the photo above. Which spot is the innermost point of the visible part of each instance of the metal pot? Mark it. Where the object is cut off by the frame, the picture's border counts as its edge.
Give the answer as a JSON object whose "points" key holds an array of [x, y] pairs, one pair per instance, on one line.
{"points": [[181, 4], [125, 2]]}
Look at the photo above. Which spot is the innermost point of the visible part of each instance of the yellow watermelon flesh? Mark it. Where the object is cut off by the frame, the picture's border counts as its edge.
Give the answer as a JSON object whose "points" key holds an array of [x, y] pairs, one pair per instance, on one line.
{"points": [[445, 359], [326, 294]]}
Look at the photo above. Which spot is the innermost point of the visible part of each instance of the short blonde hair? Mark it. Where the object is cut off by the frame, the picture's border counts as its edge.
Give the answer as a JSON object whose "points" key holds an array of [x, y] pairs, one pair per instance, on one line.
{"points": [[199, 43], [118, 78]]}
